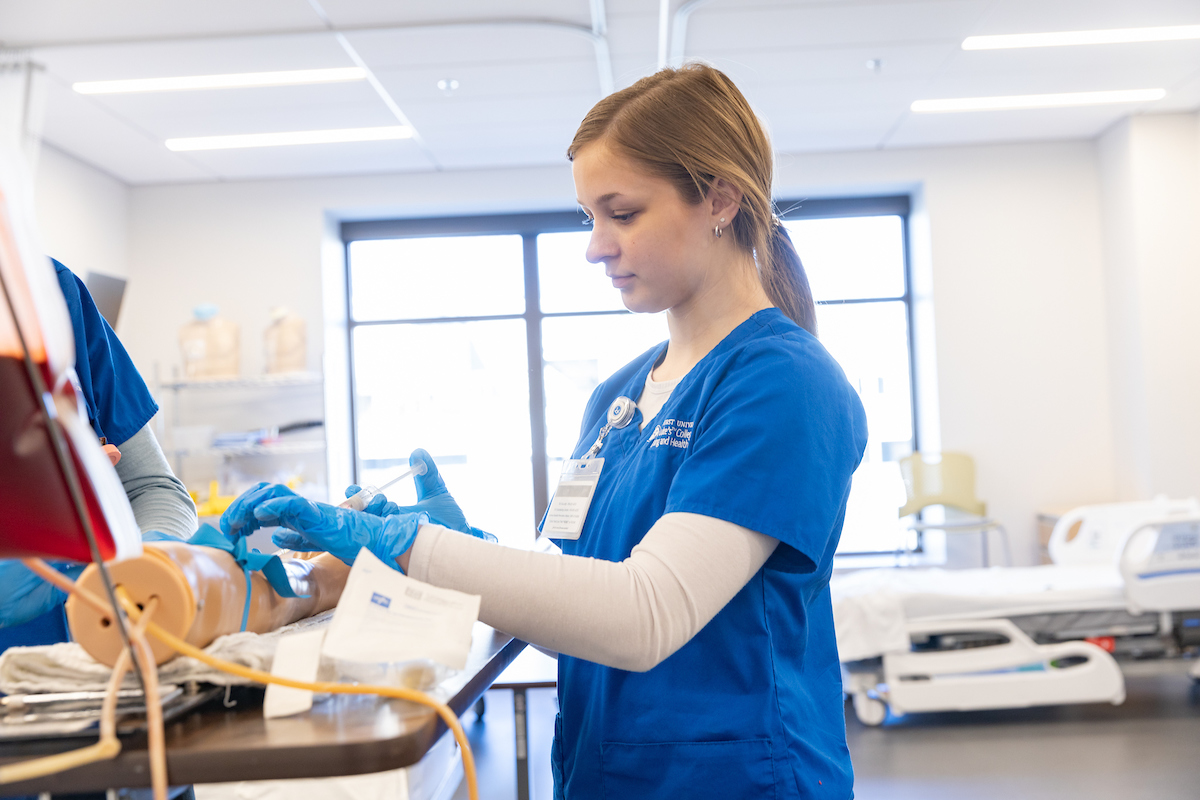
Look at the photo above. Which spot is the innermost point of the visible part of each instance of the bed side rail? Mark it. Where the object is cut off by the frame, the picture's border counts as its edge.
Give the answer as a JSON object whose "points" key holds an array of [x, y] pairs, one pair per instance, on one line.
{"points": [[1160, 565], [1097, 534]]}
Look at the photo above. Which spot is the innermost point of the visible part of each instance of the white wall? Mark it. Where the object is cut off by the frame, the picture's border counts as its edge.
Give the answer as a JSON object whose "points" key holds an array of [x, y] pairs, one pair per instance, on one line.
{"points": [[1019, 311], [83, 214], [250, 246], [1012, 250], [1150, 173]]}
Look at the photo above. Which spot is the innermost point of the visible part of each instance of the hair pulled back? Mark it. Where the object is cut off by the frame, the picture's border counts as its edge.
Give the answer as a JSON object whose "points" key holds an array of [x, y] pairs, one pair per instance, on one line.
{"points": [[692, 126]]}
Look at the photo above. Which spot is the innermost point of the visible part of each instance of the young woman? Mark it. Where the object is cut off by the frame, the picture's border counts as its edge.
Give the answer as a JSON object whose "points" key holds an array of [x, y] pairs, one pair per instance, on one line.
{"points": [[691, 612]]}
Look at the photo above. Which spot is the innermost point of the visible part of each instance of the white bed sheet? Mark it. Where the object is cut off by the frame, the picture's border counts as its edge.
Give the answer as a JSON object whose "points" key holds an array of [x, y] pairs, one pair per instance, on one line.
{"points": [[870, 607]]}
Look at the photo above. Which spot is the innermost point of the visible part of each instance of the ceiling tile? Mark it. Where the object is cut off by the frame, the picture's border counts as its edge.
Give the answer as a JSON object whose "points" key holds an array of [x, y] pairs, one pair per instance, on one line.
{"points": [[271, 120], [634, 34], [471, 44], [195, 57], [91, 133], [1157, 63], [1184, 96], [1038, 16], [535, 81], [354, 13], [846, 129], [251, 110], [491, 155], [349, 158], [486, 114], [29, 24], [840, 65], [728, 25], [924, 130]]}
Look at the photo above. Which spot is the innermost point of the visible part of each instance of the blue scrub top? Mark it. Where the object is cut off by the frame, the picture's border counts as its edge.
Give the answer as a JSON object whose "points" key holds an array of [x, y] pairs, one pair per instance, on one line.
{"points": [[118, 402], [765, 432], [118, 405]]}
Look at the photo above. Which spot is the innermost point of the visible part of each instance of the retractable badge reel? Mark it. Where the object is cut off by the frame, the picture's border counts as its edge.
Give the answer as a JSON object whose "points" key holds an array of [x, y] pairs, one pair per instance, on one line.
{"points": [[577, 484]]}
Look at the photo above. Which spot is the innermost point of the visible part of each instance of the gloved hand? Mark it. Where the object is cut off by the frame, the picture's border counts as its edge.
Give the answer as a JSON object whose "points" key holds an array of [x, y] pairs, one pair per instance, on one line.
{"points": [[433, 499], [379, 506], [25, 596], [340, 531], [239, 520]]}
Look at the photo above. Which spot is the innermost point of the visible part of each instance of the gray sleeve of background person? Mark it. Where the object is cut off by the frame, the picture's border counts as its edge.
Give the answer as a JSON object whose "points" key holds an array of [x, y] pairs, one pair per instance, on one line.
{"points": [[630, 615], [160, 501]]}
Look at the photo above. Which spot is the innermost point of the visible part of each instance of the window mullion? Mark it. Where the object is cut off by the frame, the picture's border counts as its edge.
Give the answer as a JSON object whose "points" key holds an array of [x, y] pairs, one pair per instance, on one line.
{"points": [[537, 377]]}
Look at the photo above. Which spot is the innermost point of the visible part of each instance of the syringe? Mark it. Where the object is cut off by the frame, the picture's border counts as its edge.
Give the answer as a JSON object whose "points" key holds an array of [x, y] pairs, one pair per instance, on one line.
{"points": [[362, 498]]}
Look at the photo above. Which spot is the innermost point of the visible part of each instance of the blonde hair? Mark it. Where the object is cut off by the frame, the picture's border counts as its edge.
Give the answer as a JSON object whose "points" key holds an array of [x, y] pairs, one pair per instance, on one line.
{"points": [[692, 126]]}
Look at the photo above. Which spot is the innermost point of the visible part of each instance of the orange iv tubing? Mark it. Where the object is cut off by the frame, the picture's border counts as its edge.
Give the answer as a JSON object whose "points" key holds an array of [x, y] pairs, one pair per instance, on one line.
{"points": [[109, 746]]}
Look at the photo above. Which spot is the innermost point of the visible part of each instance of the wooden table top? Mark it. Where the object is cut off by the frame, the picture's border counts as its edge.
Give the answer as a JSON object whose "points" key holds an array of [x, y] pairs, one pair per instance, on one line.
{"points": [[341, 735]]}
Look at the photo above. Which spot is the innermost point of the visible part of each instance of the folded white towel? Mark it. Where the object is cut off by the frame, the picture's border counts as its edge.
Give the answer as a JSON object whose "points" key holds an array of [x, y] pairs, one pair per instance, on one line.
{"points": [[66, 667]]}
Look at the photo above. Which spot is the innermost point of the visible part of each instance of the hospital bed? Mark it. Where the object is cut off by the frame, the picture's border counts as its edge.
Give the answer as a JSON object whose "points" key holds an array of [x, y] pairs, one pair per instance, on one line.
{"points": [[1123, 593]]}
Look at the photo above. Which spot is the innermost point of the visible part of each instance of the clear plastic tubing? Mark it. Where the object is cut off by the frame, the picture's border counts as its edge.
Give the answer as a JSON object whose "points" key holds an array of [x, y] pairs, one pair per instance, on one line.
{"points": [[362, 498]]}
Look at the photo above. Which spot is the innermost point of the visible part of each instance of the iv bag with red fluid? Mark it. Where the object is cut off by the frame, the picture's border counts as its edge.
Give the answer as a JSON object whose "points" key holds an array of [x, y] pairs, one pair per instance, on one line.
{"points": [[37, 514]]}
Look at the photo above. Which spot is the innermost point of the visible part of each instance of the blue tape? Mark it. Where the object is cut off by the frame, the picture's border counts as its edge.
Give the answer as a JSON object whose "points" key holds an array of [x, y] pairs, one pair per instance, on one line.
{"points": [[250, 561]]}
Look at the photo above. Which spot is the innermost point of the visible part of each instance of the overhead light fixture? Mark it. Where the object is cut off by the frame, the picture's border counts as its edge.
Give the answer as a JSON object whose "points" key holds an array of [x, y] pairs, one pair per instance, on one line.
{"points": [[1172, 33], [1037, 101], [238, 80], [293, 137]]}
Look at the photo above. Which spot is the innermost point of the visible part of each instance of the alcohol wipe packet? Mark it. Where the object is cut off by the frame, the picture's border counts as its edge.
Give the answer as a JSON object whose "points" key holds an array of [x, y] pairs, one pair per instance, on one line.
{"points": [[385, 617]]}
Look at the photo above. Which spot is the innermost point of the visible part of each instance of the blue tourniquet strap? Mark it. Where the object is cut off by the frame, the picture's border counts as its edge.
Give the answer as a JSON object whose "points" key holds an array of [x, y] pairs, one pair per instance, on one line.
{"points": [[250, 561]]}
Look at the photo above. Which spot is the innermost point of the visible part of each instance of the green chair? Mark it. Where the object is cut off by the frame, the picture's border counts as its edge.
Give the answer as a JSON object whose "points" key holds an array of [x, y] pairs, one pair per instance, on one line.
{"points": [[947, 480]]}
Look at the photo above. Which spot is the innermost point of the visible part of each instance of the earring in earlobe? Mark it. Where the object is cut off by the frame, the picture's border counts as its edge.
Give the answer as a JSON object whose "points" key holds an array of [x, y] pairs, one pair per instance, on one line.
{"points": [[717, 231]]}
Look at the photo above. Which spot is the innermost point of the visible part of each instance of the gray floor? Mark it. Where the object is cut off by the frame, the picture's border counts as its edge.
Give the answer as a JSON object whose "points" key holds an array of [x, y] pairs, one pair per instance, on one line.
{"points": [[1149, 747]]}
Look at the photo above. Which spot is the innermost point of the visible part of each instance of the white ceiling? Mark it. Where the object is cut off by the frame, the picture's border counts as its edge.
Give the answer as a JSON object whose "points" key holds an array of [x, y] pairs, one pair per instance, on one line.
{"points": [[529, 69]]}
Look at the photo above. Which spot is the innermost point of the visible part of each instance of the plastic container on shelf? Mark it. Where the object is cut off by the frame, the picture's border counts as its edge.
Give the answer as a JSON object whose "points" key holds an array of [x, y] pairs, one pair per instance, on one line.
{"points": [[210, 345], [285, 342]]}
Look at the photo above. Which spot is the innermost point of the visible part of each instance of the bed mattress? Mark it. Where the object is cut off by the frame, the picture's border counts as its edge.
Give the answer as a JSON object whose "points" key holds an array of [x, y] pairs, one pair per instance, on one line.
{"points": [[870, 607]]}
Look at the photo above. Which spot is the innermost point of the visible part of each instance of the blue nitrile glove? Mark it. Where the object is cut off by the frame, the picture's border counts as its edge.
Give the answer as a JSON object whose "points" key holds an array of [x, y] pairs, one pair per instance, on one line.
{"points": [[340, 531], [239, 519], [25, 596], [433, 499]]}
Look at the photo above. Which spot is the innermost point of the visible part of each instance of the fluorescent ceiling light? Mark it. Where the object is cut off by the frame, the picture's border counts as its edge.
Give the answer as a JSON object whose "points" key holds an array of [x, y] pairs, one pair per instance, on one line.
{"points": [[1064, 38], [233, 81], [1037, 101], [293, 137]]}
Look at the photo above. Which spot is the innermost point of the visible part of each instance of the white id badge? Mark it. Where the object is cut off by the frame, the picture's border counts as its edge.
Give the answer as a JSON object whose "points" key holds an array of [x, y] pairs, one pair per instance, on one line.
{"points": [[568, 509]]}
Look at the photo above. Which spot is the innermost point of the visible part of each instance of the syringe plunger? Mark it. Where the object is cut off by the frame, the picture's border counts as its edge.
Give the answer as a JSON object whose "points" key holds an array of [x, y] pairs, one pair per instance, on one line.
{"points": [[363, 497]]}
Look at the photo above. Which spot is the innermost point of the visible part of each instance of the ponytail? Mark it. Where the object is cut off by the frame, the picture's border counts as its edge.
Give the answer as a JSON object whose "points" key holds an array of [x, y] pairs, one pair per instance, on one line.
{"points": [[785, 281]]}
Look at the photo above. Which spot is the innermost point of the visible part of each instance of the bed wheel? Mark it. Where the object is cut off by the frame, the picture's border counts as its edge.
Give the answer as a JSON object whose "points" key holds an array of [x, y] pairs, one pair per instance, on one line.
{"points": [[870, 711]]}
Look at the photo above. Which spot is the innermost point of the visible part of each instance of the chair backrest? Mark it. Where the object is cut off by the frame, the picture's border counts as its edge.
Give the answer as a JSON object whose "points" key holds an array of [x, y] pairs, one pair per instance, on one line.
{"points": [[1097, 534], [945, 480]]}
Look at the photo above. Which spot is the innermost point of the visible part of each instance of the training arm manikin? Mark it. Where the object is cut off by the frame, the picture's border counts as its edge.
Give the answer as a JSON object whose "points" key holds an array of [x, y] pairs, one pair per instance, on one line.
{"points": [[202, 595]]}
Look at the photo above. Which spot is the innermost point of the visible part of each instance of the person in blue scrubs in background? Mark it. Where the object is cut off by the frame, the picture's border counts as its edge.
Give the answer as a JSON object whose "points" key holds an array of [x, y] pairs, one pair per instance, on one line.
{"points": [[119, 408], [689, 605]]}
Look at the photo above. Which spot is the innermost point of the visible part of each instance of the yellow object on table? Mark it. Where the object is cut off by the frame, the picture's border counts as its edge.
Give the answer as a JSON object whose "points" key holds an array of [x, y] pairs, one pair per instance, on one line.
{"points": [[216, 503]]}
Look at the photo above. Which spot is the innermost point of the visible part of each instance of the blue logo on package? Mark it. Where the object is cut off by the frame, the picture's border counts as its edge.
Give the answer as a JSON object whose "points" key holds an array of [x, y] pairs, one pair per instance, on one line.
{"points": [[380, 600]]}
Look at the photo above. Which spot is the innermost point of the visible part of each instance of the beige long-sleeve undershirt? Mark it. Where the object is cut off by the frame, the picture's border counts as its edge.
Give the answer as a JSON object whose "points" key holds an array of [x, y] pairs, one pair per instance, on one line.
{"points": [[631, 614]]}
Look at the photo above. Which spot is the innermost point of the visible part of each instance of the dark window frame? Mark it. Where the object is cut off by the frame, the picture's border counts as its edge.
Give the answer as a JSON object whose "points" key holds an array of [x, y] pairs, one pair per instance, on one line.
{"points": [[529, 226]]}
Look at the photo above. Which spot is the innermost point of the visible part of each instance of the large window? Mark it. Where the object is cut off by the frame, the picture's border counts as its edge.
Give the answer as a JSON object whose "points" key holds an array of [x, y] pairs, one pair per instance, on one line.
{"points": [[481, 339]]}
